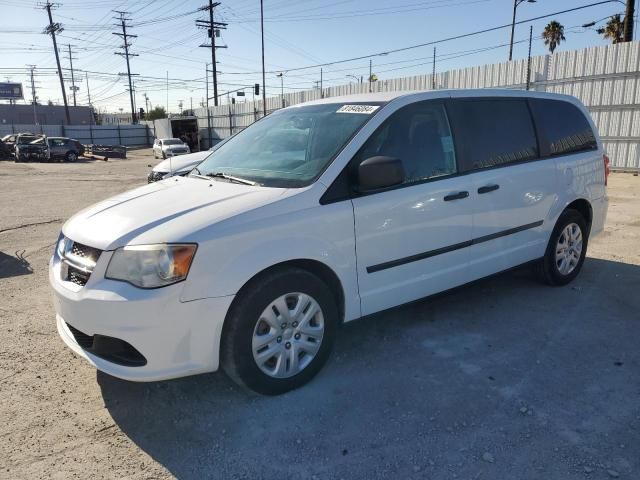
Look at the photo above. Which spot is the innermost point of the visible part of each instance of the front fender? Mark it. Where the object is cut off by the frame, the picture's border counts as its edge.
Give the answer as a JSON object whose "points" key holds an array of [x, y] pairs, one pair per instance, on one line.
{"points": [[236, 254]]}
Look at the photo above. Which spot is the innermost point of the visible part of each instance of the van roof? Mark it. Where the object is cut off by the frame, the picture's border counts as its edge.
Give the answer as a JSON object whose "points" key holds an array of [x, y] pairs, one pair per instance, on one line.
{"points": [[385, 97]]}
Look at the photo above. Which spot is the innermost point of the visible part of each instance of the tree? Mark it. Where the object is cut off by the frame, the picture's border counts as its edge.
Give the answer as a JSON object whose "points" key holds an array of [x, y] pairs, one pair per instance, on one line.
{"points": [[373, 78], [614, 30], [155, 113], [553, 34]]}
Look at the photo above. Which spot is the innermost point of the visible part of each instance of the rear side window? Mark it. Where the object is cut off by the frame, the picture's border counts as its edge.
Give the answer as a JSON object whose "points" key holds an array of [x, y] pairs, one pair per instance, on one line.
{"points": [[492, 132], [562, 127]]}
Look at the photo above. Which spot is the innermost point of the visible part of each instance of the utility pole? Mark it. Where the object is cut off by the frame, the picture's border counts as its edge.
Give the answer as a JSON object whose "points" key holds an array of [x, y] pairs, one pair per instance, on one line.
{"points": [[33, 94], [529, 58], [74, 89], [52, 29], [281, 75], [264, 86], [433, 74], [146, 103], [370, 73], [125, 46], [213, 29], [86, 75], [628, 20], [513, 23], [206, 82], [167, 112], [321, 87]]}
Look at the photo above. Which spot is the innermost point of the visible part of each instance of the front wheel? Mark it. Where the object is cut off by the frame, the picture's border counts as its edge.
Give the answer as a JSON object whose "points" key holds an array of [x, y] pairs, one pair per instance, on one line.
{"points": [[566, 250], [279, 332]]}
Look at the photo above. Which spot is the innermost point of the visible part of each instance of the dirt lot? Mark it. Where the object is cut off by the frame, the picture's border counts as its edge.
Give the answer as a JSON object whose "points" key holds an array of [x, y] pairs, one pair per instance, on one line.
{"points": [[506, 379]]}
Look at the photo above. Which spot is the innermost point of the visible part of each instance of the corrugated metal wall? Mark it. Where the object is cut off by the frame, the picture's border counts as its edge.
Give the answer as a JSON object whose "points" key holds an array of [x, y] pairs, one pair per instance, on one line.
{"points": [[606, 79]]}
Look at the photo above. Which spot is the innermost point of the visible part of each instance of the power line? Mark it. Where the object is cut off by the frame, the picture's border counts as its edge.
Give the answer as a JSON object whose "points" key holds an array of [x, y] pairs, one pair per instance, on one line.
{"points": [[434, 42]]}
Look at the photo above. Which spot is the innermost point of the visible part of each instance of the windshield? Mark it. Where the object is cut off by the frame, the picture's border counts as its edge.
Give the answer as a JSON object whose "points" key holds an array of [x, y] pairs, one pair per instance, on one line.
{"points": [[23, 139], [290, 147], [172, 141]]}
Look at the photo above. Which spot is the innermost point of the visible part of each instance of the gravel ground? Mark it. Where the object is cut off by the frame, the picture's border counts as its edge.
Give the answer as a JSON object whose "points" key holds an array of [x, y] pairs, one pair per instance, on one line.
{"points": [[506, 379]]}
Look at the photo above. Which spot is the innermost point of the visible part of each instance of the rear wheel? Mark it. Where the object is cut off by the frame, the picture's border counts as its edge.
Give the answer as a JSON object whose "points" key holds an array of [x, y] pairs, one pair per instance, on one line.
{"points": [[566, 250], [279, 331], [71, 157]]}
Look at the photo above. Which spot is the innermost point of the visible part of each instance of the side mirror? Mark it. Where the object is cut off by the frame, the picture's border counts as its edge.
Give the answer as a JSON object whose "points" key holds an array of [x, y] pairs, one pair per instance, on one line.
{"points": [[376, 173]]}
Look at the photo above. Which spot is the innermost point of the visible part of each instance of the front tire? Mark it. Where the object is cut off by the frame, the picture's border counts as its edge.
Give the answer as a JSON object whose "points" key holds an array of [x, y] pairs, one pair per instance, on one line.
{"points": [[279, 331], [566, 250]]}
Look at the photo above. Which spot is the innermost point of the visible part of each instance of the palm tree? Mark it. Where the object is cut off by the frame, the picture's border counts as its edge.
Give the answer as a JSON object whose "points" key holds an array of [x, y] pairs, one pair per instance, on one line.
{"points": [[614, 30], [553, 34]]}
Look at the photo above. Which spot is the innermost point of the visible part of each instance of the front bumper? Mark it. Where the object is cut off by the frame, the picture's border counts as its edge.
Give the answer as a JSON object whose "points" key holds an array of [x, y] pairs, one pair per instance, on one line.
{"points": [[171, 153], [175, 338]]}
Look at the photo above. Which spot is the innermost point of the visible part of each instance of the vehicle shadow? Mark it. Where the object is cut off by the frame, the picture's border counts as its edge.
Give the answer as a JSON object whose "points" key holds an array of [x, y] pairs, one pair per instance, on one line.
{"points": [[11, 266], [409, 389]]}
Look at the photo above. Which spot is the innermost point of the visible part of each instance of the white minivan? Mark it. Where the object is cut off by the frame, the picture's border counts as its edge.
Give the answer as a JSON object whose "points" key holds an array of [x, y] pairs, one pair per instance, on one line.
{"points": [[322, 213]]}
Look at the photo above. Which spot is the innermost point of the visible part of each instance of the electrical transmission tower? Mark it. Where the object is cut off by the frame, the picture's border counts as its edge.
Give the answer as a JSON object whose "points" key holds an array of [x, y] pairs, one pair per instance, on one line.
{"points": [[52, 29], [74, 89], [213, 29], [125, 46]]}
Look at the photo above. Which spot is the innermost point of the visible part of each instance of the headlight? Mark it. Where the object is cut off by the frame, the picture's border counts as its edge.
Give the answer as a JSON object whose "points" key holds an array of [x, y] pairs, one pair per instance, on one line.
{"points": [[60, 245], [151, 266]]}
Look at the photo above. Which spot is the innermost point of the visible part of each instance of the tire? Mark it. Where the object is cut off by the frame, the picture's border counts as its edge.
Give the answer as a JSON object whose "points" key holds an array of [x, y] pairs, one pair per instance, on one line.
{"points": [[245, 328], [550, 269], [71, 157]]}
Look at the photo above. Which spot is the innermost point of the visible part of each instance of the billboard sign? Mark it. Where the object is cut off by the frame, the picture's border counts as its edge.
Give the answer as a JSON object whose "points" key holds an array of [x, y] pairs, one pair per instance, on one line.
{"points": [[10, 91]]}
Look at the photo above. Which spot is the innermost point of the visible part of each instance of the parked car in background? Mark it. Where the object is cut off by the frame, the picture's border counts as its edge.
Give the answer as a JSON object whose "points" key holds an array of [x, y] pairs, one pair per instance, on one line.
{"points": [[169, 147], [31, 148], [5, 152], [65, 149], [252, 261], [181, 165], [10, 140]]}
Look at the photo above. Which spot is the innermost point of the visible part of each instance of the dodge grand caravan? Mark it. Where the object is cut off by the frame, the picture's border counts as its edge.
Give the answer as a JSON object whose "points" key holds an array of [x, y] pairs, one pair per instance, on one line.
{"points": [[322, 213]]}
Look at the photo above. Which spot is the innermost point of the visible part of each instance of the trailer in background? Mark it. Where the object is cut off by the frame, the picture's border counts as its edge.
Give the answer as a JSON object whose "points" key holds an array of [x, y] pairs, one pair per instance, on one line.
{"points": [[184, 128]]}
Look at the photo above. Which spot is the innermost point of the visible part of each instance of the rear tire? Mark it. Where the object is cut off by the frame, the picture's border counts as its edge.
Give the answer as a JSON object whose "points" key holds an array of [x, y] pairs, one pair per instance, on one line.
{"points": [[566, 250], [272, 350], [71, 157]]}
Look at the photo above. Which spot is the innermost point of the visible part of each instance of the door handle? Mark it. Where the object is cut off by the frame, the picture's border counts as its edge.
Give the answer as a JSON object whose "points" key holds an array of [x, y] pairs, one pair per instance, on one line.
{"points": [[488, 188], [456, 196]]}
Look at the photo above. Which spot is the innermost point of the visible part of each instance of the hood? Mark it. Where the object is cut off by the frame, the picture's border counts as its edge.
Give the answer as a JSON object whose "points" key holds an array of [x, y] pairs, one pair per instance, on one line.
{"points": [[183, 162], [172, 210]]}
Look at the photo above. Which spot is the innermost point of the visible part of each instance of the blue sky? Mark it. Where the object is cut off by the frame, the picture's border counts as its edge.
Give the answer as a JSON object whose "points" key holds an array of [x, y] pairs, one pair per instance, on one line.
{"points": [[298, 34]]}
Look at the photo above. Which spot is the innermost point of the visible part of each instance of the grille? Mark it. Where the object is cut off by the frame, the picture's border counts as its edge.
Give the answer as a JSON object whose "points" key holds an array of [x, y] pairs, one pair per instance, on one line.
{"points": [[77, 276], [79, 262], [155, 176], [84, 340], [83, 251]]}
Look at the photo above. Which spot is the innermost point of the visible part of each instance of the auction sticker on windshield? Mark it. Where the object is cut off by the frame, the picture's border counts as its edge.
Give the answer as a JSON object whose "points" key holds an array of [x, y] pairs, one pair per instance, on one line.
{"points": [[366, 109]]}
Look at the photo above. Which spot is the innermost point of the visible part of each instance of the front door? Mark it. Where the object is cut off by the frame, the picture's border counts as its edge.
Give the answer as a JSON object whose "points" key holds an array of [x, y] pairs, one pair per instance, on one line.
{"points": [[411, 240]]}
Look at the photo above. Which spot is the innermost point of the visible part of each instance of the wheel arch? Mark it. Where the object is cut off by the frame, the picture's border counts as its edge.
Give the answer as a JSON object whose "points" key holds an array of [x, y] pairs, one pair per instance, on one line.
{"points": [[584, 207], [315, 267]]}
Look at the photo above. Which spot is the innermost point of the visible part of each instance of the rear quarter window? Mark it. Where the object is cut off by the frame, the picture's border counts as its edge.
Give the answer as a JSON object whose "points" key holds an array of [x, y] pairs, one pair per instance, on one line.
{"points": [[562, 127]]}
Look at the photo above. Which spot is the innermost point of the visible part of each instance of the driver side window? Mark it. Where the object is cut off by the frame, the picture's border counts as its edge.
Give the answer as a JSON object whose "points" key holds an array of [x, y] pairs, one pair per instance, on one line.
{"points": [[419, 135]]}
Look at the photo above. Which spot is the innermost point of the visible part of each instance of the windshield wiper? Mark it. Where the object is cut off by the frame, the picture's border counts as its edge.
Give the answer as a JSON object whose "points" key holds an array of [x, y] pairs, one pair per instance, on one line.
{"points": [[231, 178]]}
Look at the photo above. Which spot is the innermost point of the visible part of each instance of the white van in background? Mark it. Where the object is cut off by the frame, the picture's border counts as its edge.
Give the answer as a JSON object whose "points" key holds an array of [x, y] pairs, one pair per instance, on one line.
{"points": [[322, 213]]}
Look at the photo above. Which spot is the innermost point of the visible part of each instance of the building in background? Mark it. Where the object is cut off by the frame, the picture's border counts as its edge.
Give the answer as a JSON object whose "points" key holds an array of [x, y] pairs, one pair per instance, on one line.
{"points": [[12, 114]]}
